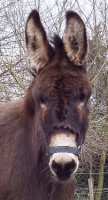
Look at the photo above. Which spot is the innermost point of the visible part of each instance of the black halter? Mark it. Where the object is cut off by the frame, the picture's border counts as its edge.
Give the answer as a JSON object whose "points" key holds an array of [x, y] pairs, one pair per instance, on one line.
{"points": [[67, 149]]}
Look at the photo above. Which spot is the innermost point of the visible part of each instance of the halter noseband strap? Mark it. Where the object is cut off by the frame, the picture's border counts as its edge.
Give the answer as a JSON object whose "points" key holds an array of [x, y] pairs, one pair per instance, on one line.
{"points": [[67, 149]]}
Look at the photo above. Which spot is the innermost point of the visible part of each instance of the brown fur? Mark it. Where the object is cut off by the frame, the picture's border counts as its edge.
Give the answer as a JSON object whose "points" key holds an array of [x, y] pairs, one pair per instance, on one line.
{"points": [[53, 100]]}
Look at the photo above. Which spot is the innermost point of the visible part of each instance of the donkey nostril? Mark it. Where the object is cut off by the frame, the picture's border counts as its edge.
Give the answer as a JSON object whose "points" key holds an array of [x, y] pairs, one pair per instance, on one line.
{"points": [[56, 166], [70, 166]]}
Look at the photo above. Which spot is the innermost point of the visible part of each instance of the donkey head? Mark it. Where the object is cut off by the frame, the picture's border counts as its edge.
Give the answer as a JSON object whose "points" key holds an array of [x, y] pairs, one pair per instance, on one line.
{"points": [[61, 90]]}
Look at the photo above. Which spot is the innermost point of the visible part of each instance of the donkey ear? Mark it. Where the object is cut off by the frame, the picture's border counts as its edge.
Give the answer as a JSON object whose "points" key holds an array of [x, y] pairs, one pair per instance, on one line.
{"points": [[75, 39], [38, 47]]}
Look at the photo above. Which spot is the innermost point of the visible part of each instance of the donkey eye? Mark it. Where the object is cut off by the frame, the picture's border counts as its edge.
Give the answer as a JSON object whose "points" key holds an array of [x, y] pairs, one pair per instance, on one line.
{"points": [[42, 100], [82, 98], [43, 103]]}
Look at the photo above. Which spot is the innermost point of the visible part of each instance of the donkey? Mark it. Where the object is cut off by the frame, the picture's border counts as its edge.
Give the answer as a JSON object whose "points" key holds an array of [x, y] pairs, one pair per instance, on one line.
{"points": [[41, 134]]}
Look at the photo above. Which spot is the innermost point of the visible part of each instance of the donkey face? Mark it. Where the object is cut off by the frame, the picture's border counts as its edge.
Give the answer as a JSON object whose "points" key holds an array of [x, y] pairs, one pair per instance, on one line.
{"points": [[61, 89]]}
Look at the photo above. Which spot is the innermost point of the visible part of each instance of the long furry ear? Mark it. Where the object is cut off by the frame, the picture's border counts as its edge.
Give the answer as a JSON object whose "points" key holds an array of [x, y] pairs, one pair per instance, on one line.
{"points": [[75, 39], [38, 47]]}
